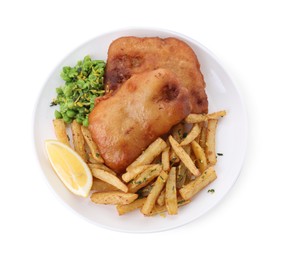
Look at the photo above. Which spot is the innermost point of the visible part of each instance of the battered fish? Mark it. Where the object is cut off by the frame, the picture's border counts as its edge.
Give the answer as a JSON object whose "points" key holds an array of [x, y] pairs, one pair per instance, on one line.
{"points": [[131, 55], [143, 108]]}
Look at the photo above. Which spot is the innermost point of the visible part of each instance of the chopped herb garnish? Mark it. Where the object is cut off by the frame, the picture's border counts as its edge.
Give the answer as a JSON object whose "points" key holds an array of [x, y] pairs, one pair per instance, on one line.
{"points": [[211, 191], [97, 155], [184, 135], [179, 133], [53, 103], [220, 154], [140, 181]]}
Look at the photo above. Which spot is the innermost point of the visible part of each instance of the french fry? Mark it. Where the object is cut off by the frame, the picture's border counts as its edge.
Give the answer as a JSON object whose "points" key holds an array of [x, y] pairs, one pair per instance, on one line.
{"points": [[197, 118], [187, 149], [216, 115], [210, 142], [165, 159], [161, 198], [170, 193], [101, 167], [92, 146], [184, 157], [193, 187], [195, 131], [200, 156], [78, 140], [101, 186], [113, 197], [197, 139], [155, 192], [173, 158], [162, 209], [109, 178], [133, 172], [136, 204], [203, 136], [177, 132], [90, 158], [61, 131], [144, 178], [149, 154], [180, 175]]}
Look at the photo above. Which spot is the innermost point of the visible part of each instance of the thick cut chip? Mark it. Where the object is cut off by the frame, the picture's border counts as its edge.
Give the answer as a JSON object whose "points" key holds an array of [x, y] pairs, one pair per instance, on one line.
{"points": [[122, 209], [155, 192], [113, 197], [109, 178], [132, 55], [144, 108], [193, 187], [78, 140], [170, 193], [60, 131]]}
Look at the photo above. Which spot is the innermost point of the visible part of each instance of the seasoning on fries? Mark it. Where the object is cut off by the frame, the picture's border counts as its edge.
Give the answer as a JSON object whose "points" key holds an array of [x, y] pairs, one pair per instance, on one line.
{"points": [[197, 118], [60, 131], [149, 154], [109, 178], [166, 176], [92, 146], [193, 187], [113, 197], [170, 193], [78, 140], [195, 131], [184, 157], [210, 141], [155, 192]]}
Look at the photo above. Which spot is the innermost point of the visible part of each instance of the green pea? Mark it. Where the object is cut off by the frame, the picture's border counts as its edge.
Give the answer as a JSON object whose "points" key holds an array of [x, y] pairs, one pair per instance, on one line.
{"points": [[68, 91], [83, 83], [85, 122], [79, 120], [59, 91], [70, 104], [71, 113], [58, 115], [67, 119]]}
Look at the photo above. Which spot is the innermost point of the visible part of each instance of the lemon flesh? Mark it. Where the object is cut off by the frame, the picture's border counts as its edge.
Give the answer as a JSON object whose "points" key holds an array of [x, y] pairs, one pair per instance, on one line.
{"points": [[69, 167]]}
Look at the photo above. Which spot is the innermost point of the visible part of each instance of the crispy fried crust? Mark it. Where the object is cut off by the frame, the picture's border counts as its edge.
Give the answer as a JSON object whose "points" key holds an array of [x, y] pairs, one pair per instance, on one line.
{"points": [[131, 55], [145, 107]]}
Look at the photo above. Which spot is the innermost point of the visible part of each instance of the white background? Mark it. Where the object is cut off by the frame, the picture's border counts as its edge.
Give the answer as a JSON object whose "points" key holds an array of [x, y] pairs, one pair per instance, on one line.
{"points": [[244, 35]]}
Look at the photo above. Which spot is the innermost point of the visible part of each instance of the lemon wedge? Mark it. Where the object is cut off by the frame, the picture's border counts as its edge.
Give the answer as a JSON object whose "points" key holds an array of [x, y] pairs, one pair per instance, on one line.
{"points": [[69, 167]]}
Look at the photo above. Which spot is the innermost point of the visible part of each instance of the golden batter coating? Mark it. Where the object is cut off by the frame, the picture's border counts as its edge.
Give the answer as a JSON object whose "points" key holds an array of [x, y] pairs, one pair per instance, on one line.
{"points": [[132, 55], [144, 108]]}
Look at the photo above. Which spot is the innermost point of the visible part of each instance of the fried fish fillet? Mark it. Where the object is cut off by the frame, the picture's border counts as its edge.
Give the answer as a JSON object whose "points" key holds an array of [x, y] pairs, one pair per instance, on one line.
{"points": [[144, 108], [132, 55]]}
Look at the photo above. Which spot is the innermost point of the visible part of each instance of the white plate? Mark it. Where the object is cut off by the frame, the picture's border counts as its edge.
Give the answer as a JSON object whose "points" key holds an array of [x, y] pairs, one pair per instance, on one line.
{"points": [[231, 138]]}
